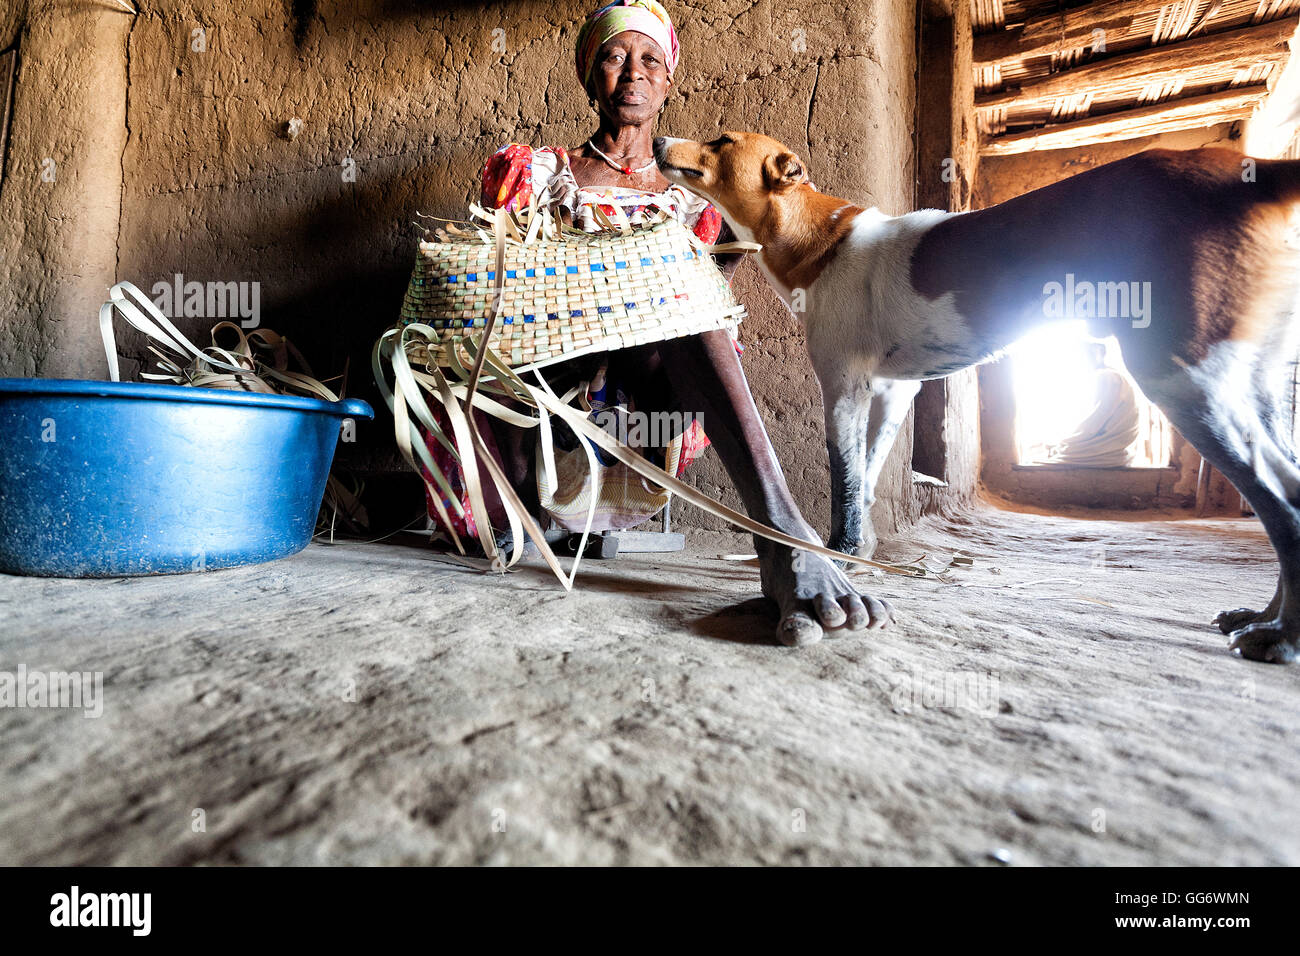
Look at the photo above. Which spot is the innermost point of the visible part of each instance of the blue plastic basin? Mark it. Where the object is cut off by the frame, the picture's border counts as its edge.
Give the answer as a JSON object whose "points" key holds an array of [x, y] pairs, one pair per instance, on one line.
{"points": [[102, 479]]}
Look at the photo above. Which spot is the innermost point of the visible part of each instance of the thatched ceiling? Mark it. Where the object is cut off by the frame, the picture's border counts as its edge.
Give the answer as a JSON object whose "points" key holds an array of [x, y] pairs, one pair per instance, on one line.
{"points": [[1050, 74]]}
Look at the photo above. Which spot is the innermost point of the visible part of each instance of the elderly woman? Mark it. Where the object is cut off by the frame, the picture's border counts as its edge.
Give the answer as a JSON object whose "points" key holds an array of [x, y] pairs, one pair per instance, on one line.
{"points": [[626, 58]]}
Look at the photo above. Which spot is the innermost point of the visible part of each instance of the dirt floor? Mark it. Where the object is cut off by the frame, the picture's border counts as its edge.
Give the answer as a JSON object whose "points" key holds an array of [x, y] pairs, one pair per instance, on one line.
{"points": [[1062, 700]]}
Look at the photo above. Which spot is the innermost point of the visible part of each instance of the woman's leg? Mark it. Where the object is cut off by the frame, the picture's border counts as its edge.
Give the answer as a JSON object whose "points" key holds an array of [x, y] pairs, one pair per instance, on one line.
{"points": [[518, 446], [812, 594]]}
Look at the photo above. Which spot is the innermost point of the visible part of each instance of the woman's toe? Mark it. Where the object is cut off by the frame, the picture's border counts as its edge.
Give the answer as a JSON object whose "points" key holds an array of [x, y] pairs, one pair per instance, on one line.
{"points": [[798, 629], [855, 612], [879, 612], [829, 611]]}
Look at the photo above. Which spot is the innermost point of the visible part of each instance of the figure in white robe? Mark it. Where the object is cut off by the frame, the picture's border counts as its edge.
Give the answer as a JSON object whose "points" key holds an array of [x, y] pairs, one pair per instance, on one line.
{"points": [[1106, 437]]}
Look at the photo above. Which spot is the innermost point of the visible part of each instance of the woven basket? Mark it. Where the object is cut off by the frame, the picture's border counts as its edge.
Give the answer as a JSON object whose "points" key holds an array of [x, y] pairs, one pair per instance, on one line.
{"points": [[568, 292]]}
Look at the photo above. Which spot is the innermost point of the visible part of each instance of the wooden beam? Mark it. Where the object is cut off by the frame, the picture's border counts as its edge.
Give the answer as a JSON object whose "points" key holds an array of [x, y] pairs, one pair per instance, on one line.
{"points": [[1191, 113], [8, 75], [1059, 32], [1203, 475], [1213, 55]]}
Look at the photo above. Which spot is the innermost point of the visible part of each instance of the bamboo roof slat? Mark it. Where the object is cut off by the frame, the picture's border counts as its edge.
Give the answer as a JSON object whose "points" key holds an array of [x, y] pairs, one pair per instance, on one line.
{"points": [[1186, 113]]}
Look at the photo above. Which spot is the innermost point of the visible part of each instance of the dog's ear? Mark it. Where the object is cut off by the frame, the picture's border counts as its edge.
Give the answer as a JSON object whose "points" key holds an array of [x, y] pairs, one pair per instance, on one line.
{"points": [[784, 170]]}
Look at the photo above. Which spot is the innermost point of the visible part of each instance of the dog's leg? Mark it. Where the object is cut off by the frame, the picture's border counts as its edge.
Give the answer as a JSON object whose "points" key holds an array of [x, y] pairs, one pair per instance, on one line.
{"points": [[890, 402], [860, 453], [1275, 634], [845, 404], [810, 592], [1229, 433], [1271, 380]]}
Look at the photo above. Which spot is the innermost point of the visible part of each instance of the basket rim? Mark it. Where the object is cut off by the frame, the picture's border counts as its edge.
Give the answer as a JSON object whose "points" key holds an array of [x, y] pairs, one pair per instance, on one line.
{"points": [[570, 234], [455, 280]]}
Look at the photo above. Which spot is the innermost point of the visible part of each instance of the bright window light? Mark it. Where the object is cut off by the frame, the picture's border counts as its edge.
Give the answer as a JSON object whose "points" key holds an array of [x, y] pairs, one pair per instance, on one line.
{"points": [[1056, 388]]}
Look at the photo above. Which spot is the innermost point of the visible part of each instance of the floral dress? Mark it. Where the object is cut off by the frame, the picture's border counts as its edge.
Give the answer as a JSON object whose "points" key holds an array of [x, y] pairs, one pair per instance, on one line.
{"points": [[514, 172], [510, 178]]}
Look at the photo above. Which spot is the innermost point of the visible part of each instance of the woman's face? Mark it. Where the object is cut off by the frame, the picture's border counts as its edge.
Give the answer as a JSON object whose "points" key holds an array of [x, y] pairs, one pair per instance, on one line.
{"points": [[630, 78]]}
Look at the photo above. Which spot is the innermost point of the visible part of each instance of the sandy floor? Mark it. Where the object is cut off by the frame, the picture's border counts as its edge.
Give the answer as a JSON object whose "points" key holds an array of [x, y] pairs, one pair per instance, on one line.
{"points": [[381, 704]]}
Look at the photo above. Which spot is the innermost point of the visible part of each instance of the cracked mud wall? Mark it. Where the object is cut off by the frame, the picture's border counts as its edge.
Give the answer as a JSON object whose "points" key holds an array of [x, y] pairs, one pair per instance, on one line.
{"points": [[169, 130]]}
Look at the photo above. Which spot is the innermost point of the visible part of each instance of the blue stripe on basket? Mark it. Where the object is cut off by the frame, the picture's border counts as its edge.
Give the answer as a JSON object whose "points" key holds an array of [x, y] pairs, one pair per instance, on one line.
{"points": [[620, 265], [571, 270], [670, 258], [645, 260], [451, 278], [471, 277], [532, 317], [510, 273], [550, 270], [595, 267], [530, 273]]}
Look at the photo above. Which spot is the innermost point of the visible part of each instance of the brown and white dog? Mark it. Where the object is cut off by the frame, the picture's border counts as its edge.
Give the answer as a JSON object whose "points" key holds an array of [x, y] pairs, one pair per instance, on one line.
{"points": [[888, 301]]}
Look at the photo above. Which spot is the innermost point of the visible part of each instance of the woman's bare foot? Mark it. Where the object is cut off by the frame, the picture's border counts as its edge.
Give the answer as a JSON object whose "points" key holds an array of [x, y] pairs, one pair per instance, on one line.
{"points": [[814, 596]]}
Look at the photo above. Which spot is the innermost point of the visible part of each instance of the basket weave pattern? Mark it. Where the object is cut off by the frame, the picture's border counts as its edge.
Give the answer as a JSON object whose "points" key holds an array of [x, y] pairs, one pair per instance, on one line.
{"points": [[587, 292]]}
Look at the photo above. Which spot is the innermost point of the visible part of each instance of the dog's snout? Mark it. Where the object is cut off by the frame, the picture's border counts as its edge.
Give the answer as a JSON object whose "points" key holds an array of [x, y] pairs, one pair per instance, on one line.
{"points": [[661, 146]]}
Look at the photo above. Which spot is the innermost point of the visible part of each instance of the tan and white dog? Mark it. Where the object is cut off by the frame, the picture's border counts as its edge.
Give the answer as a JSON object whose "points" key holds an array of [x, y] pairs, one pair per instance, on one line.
{"points": [[1196, 237]]}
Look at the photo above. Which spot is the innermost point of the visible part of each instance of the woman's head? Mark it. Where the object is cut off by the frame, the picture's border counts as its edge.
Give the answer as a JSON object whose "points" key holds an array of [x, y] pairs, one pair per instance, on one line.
{"points": [[626, 55]]}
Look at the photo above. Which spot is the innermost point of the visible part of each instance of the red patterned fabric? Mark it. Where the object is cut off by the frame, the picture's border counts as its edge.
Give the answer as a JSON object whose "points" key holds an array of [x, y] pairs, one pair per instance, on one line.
{"points": [[507, 177]]}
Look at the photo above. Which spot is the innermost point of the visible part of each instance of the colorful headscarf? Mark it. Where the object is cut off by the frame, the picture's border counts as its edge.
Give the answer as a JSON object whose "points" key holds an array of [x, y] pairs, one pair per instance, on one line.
{"points": [[643, 16]]}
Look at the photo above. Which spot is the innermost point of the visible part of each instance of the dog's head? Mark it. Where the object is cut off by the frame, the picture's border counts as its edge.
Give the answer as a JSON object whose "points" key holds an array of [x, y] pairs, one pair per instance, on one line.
{"points": [[742, 174]]}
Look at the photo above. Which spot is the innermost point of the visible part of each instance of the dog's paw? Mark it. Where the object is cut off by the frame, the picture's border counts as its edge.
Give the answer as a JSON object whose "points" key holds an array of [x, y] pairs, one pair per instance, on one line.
{"points": [[867, 546], [1268, 641], [1229, 621], [863, 547], [843, 547], [841, 565]]}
